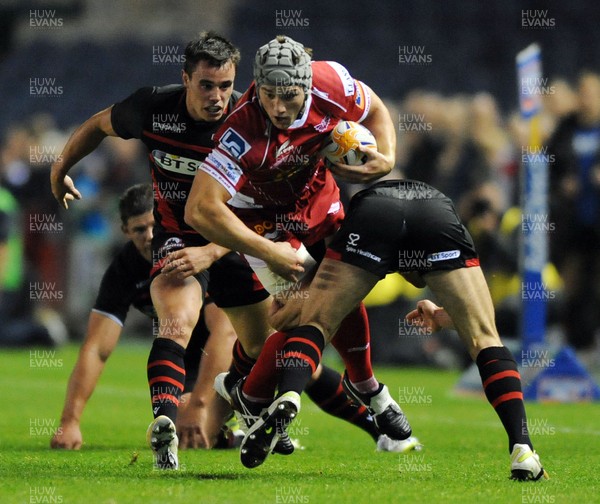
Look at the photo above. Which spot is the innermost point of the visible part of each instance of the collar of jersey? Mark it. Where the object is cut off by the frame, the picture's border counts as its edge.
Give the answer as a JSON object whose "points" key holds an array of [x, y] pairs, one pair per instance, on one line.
{"points": [[301, 121]]}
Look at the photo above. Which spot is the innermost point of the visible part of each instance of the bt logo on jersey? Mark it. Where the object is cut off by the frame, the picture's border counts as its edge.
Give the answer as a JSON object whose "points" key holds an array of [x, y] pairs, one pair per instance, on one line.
{"points": [[173, 163]]}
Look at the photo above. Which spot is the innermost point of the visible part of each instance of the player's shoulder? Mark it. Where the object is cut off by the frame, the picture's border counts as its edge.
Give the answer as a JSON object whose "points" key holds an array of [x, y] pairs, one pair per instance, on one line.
{"points": [[162, 94], [332, 78], [157, 93], [246, 105], [169, 89], [235, 98], [246, 119]]}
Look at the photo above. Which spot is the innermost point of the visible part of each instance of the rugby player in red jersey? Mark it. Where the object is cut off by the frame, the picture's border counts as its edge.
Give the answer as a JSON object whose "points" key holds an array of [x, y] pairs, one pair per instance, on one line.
{"points": [[265, 191]]}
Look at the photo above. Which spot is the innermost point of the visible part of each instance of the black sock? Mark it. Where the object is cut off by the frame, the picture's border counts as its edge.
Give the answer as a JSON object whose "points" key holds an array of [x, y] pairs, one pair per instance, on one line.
{"points": [[502, 386], [240, 366], [328, 394], [300, 356], [166, 376]]}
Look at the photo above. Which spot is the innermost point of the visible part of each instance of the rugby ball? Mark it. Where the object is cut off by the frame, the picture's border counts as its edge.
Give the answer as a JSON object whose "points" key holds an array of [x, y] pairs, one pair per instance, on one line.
{"points": [[344, 140]]}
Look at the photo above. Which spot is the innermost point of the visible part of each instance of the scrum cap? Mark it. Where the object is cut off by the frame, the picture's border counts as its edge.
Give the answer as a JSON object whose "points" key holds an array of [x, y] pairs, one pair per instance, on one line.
{"points": [[283, 62]]}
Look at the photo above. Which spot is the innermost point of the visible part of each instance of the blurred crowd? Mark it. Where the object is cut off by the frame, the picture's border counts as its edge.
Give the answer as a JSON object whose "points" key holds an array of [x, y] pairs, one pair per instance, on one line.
{"points": [[61, 255], [462, 144]]}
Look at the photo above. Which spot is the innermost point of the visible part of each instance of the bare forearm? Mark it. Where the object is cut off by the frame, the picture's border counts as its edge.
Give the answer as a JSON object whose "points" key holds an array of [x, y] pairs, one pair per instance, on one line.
{"points": [[81, 384], [102, 336], [217, 251], [216, 357], [381, 125], [221, 226], [207, 212]]}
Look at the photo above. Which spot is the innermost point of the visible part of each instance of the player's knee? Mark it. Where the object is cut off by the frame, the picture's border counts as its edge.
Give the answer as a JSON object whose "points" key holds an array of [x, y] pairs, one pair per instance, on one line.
{"points": [[176, 326], [483, 339]]}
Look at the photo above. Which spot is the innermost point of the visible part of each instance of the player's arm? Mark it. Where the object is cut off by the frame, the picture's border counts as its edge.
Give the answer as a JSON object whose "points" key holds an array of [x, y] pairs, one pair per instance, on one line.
{"points": [[200, 422], [84, 140], [430, 316], [190, 261], [380, 123], [102, 336], [284, 314], [207, 212], [381, 161]]}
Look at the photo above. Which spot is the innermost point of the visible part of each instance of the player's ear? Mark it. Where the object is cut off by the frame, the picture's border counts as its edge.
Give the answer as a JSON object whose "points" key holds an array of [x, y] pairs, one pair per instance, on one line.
{"points": [[185, 78]]}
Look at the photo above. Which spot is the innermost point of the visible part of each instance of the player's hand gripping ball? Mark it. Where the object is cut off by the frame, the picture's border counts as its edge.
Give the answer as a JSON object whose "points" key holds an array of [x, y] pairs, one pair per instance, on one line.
{"points": [[342, 145]]}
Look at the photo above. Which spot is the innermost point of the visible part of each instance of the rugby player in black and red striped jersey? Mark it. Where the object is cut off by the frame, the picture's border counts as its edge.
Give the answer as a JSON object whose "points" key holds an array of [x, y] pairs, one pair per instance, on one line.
{"points": [[176, 123], [125, 284]]}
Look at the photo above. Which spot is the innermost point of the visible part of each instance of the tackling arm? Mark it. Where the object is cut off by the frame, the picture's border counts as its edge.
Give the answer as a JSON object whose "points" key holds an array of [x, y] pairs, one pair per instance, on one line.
{"points": [[190, 261], [84, 140]]}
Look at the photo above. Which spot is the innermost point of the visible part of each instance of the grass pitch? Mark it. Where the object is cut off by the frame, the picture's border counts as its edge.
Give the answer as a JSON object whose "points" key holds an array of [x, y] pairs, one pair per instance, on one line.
{"points": [[465, 456]]}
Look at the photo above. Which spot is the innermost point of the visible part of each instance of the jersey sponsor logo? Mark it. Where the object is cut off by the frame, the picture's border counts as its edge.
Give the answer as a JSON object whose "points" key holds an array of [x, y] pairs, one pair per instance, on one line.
{"points": [[361, 252], [444, 256], [353, 239], [233, 143], [324, 124], [224, 166], [263, 228], [170, 245], [173, 242], [176, 164], [345, 77]]}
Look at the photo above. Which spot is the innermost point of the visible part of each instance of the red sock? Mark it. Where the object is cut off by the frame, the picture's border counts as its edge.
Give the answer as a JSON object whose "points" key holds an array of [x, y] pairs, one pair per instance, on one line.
{"points": [[353, 343], [262, 381]]}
